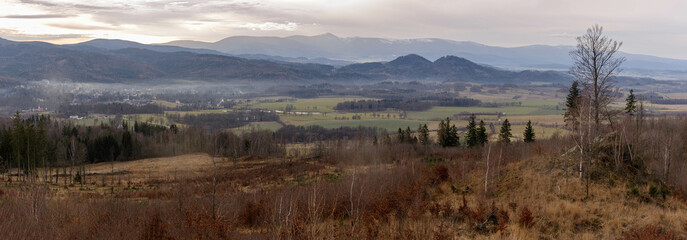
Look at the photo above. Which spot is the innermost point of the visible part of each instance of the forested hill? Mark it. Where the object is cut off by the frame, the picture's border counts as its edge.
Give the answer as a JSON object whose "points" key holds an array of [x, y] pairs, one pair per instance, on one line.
{"points": [[28, 61]]}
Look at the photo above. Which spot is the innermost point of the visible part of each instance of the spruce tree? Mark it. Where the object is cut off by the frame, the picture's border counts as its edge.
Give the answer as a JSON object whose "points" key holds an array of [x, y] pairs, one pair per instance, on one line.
{"points": [[127, 145], [529, 132], [471, 136], [6, 146], [631, 103], [504, 135], [454, 140], [482, 137], [571, 104], [447, 134], [409, 136], [401, 136], [423, 133], [442, 133]]}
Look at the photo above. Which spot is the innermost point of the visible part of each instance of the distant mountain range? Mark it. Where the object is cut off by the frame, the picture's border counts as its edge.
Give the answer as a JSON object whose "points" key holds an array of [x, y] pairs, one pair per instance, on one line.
{"points": [[359, 49], [114, 61]]}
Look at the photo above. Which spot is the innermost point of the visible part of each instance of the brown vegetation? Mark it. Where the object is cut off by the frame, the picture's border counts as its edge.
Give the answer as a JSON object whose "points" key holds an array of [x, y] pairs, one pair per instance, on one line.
{"points": [[356, 190]]}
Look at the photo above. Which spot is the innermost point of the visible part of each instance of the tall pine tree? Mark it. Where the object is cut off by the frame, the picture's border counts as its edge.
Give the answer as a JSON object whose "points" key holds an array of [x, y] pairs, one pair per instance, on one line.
{"points": [[127, 145], [571, 101], [401, 136], [631, 103], [505, 134], [482, 137], [409, 136], [529, 132], [471, 135], [423, 133], [447, 134]]}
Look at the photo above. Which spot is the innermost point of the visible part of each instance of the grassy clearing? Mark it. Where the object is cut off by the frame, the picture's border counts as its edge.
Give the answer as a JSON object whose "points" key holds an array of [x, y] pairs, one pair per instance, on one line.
{"points": [[437, 113], [89, 122], [323, 104], [197, 112], [539, 119], [166, 104], [305, 119], [271, 126], [533, 102], [539, 132], [149, 118]]}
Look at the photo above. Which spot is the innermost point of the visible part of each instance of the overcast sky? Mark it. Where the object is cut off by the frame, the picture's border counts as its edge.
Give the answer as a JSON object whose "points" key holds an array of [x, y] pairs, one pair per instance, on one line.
{"points": [[657, 27]]}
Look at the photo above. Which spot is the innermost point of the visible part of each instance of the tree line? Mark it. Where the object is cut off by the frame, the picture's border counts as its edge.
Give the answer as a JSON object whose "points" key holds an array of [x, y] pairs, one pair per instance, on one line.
{"points": [[39, 142], [404, 104], [110, 108], [314, 133], [224, 120]]}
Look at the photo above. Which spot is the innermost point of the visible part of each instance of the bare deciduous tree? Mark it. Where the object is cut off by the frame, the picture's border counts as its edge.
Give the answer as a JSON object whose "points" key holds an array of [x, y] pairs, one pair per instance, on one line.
{"points": [[596, 65]]}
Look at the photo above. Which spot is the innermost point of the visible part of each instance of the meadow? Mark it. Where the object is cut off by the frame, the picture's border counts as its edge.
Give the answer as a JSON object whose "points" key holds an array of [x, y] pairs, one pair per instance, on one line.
{"points": [[320, 111]]}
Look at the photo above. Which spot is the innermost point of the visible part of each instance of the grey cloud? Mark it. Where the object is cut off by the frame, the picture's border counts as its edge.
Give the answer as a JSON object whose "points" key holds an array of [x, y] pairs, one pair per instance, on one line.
{"points": [[51, 6], [80, 26], [38, 2], [15, 35], [38, 16]]}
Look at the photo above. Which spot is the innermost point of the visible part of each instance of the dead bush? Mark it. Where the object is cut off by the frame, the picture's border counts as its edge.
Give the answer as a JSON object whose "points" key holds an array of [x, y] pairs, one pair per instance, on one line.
{"points": [[526, 218], [651, 232], [155, 229], [254, 213], [587, 225]]}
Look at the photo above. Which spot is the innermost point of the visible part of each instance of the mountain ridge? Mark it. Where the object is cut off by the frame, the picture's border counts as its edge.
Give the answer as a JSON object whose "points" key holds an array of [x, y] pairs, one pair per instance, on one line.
{"points": [[366, 49], [37, 61]]}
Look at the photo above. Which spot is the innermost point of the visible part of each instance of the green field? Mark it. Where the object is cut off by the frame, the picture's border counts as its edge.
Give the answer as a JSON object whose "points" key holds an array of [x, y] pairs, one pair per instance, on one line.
{"points": [[438, 113], [539, 132], [531, 102], [305, 119], [167, 104], [319, 111], [323, 104], [272, 126], [197, 112], [149, 118]]}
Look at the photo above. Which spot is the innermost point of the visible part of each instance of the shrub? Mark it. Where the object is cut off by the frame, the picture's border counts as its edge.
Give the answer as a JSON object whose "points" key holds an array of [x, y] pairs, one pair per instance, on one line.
{"points": [[440, 174], [664, 192], [651, 232], [634, 191], [155, 229], [653, 191], [526, 218], [253, 213]]}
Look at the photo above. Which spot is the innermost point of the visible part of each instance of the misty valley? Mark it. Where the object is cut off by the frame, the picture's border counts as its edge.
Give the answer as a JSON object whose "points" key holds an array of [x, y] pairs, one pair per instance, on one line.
{"points": [[327, 137]]}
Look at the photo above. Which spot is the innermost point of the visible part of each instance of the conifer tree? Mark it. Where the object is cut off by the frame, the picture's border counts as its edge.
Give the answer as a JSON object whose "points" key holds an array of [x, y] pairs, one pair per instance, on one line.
{"points": [[571, 102], [409, 136], [127, 145], [482, 137], [529, 132], [631, 103], [471, 136], [447, 134], [423, 133], [6, 146], [401, 136], [505, 134]]}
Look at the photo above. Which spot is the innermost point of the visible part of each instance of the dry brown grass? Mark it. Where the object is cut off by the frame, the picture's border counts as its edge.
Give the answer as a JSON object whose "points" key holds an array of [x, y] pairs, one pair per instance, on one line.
{"points": [[377, 193]]}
